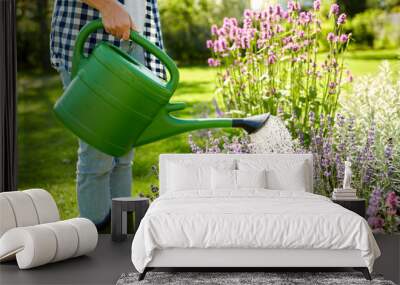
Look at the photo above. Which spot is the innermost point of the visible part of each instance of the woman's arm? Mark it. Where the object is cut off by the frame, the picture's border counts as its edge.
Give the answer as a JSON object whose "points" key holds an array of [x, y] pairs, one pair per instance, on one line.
{"points": [[116, 19]]}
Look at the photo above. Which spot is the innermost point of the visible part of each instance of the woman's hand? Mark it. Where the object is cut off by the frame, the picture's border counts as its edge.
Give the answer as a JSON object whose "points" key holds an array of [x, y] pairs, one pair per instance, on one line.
{"points": [[116, 19]]}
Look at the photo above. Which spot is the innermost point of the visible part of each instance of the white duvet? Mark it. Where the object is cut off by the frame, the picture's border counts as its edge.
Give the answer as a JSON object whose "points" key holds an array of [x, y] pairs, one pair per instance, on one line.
{"points": [[250, 219]]}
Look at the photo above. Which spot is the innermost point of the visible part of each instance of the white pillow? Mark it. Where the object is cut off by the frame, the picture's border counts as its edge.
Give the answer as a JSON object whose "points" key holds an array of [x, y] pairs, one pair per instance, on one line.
{"points": [[283, 173], [227, 179], [223, 179], [251, 178], [192, 174], [183, 178]]}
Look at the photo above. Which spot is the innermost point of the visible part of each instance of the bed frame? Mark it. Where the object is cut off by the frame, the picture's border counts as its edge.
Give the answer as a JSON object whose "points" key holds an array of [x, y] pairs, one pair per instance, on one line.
{"points": [[249, 259], [246, 259]]}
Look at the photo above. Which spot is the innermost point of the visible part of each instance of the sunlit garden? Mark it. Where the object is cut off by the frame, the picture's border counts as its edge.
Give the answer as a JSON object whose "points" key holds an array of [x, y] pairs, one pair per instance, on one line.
{"points": [[329, 72]]}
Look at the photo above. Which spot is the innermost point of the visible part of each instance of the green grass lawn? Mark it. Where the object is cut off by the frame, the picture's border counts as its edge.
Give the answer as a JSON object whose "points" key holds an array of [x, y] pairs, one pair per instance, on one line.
{"points": [[47, 151]]}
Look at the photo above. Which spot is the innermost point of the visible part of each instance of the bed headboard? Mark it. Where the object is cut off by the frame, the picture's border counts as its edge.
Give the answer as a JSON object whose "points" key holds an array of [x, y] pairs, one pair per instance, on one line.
{"points": [[212, 158]]}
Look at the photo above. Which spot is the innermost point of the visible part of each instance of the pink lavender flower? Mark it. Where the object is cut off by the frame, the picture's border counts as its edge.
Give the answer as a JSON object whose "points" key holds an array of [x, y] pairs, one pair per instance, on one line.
{"points": [[251, 32], [218, 111], [247, 23], [233, 32], [216, 46], [260, 43], [317, 5], [287, 40], [341, 19], [222, 32], [222, 45], [263, 14], [334, 9], [278, 10], [293, 6], [331, 37], [193, 146], [349, 76], [214, 30], [343, 38], [248, 13], [245, 42], [209, 44], [271, 57], [213, 62], [279, 29], [294, 47], [305, 18], [376, 224], [374, 202], [392, 203], [227, 22]]}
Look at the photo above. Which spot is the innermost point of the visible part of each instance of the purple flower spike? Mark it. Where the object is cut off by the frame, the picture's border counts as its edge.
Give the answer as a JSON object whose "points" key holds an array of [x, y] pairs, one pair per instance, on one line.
{"points": [[317, 5], [376, 223], [278, 10], [218, 111], [248, 13], [341, 19], [334, 9], [392, 203], [271, 57], [293, 6], [331, 37], [343, 38], [213, 62], [214, 30]]}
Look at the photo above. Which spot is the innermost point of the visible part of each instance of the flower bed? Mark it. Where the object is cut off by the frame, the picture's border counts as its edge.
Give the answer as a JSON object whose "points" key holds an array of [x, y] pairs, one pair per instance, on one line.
{"points": [[269, 63]]}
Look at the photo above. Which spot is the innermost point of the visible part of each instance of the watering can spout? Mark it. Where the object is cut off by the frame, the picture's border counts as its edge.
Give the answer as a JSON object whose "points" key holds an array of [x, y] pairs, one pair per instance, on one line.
{"points": [[166, 125]]}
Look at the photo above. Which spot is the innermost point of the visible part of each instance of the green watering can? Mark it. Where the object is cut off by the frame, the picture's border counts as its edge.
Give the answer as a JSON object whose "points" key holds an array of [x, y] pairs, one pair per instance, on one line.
{"points": [[114, 102]]}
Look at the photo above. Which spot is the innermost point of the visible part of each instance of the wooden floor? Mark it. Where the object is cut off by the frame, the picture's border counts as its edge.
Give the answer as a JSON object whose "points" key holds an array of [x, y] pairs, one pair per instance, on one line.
{"points": [[110, 259], [103, 266]]}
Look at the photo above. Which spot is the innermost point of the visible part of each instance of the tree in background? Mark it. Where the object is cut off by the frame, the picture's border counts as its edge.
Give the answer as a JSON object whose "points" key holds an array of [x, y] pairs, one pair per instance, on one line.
{"points": [[383, 4], [352, 7], [33, 29]]}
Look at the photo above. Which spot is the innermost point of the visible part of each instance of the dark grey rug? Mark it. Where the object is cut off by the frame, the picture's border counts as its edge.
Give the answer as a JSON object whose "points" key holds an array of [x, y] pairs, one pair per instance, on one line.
{"points": [[244, 278]]}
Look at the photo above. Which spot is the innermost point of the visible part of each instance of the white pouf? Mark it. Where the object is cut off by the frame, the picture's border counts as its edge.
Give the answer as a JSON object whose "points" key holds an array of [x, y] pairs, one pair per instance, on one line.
{"points": [[31, 233], [37, 245]]}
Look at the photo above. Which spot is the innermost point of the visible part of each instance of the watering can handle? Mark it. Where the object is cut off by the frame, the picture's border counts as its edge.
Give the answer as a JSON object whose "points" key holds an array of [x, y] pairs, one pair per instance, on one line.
{"points": [[140, 40]]}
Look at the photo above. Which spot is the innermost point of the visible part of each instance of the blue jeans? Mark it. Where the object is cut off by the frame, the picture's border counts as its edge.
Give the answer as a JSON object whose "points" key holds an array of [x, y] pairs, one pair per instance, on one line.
{"points": [[100, 177]]}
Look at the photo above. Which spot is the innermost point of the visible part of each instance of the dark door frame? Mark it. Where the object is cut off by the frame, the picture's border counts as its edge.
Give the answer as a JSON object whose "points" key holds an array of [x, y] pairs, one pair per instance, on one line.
{"points": [[8, 96]]}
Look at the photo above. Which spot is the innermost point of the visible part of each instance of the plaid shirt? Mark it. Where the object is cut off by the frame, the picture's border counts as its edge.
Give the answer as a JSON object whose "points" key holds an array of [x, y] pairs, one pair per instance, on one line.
{"points": [[69, 16]]}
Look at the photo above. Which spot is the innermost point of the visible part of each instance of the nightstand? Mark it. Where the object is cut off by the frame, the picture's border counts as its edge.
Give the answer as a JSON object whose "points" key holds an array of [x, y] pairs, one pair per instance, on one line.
{"points": [[120, 208], [356, 205]]}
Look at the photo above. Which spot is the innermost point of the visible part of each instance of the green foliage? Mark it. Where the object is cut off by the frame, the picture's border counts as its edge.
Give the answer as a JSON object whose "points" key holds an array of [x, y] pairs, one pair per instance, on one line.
{"points": [[376, 100], [375, 29], [352, 7], [383, 4], [33, 31], [186, 25], [271, 65]]}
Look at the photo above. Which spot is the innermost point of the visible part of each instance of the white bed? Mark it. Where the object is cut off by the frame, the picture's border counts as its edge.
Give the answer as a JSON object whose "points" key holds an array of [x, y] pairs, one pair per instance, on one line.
{"points": [[203, 220]]}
